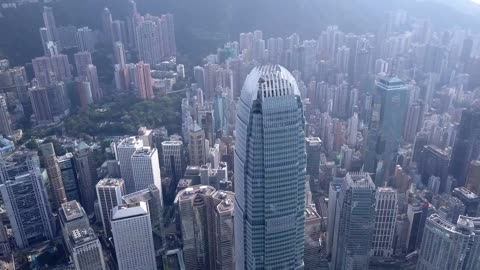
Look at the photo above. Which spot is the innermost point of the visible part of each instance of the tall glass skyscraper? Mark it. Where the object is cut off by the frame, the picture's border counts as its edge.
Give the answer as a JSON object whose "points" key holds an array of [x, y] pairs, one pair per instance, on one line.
{"points": [[270, 170], [386, 126]]}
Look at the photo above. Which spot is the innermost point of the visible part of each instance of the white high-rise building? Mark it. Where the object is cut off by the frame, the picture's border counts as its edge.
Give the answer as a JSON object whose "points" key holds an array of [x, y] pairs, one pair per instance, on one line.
{"points": [[386, 208], [146, 168], [125, 150], [49, 22], [132, 235], [109, 195], [85, 39]]}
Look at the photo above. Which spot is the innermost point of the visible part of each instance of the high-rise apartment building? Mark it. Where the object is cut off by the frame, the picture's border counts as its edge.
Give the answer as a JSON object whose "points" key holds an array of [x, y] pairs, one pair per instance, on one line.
{"points": [[143, 81], [132, 234], [82, 61], [26, 200], [109, 195], [354, 223], [107, 26], [54, 174], [270, 164], [386, 209], [146, 169], [386, 127], [92, 77], [5, 121], [85, 39], [87, 175], [40, 104], [125, 150], [49, 22]]}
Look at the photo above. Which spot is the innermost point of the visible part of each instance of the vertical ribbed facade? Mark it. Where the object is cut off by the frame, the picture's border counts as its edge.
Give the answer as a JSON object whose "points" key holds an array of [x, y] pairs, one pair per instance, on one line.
{"points": [[270, 164], [386, 208]]}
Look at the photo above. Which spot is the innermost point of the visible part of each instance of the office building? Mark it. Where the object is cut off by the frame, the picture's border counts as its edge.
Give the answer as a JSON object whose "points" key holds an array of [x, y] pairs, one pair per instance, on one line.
{"points": [[5, 249], [386, 209], [146, 169], [209, 212], [434, 161], [447, 246], [125, 150], [473, 177], [26, 200], [198, 145], [357, 206], [69, 176], [270, 148], [109, 195], [154, 198], [54, 174], [87, 175], [132, 234], [314, 149], [386, 127], [87, 251], [72, 217], [469, 199], [173, 158], [467, 145], [312, 257]]}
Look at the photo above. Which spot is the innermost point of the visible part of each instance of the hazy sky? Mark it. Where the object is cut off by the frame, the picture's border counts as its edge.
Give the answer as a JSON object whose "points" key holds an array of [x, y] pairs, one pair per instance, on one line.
{"points": [[476, 1]]}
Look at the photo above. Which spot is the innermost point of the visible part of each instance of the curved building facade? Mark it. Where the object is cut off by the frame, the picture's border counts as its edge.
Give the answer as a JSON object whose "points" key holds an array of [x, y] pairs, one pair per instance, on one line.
{"points": [[270, 169]]}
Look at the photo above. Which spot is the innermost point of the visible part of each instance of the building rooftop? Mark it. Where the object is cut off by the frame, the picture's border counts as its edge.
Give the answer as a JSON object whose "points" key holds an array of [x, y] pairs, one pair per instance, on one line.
{"points": [[174, 143], [311, 214], [110, 182], [144, 152], [72, 210], [226, 200], [138, 196], [78, 237], [391, 83], [313, 141], [191, 192], [465, 192], [130, 142], [464, 227], [129, 210]]}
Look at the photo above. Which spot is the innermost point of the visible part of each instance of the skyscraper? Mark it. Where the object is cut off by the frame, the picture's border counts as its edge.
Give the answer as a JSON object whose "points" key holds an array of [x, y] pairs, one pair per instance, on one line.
{"points": [[109, 195], [132, 234], [119, 52], [125, 150], [270, 164], [54, 174], [149, 42], [206, 218], [85, 39], [87, 175], [92, 77], [87, 251], [386, 127], [173, 158], [356, 218], [49, 22], [72, 217], [386, 208], [197, 147], [146, 169], [82, 61], [40, 104], [26, 200], [5, 121], [446, 246], [143, 81], [467, 144], [107, 26]]}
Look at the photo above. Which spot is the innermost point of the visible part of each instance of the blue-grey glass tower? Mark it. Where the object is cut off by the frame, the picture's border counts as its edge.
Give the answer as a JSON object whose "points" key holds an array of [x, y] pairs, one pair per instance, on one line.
{"points": [[270, 170], [386, 127]]}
